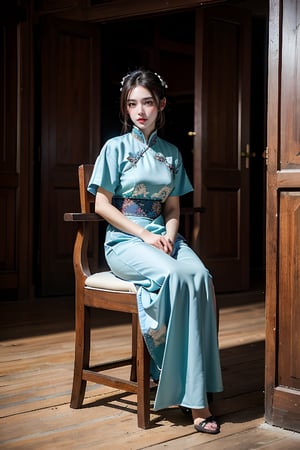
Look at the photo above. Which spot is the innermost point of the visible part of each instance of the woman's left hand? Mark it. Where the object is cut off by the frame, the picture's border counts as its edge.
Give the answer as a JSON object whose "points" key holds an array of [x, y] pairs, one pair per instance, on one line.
{"points": [[170, 245]]}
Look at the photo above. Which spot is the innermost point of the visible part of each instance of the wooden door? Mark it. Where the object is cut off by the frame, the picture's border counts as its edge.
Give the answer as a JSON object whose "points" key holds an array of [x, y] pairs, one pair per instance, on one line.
{"points": [[222, 122], [70, 122], [283, 218]]}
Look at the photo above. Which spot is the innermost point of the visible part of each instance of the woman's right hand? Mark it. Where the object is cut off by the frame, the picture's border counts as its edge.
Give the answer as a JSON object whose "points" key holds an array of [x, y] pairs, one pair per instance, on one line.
{"points": [[158, 241]]}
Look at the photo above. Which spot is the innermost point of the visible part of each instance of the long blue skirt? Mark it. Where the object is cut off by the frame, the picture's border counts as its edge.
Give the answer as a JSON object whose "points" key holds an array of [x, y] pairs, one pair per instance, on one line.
{"points": [[177, 314]]}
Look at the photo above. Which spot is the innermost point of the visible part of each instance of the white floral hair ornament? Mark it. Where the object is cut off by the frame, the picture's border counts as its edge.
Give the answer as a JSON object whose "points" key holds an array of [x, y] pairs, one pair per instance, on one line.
{"points": [[162, 81], [123, 80]]}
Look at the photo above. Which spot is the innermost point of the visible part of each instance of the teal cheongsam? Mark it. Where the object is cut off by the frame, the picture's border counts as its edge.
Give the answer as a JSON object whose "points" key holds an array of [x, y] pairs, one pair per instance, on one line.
{"points": [[175, 293]]}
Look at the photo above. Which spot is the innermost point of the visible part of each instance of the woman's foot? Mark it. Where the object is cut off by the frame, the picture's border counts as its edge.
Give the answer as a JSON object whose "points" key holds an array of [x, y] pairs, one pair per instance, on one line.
{"points": [[204, 421]]}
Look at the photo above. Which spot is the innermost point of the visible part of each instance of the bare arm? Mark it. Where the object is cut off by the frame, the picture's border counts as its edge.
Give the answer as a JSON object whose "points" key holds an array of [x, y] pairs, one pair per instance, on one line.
{"points": [[171, 215], [104, 207]]}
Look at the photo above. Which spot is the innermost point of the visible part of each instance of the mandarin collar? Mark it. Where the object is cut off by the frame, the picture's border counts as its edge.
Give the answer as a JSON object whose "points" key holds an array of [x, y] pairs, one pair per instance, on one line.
{"points": [[139, 135]]}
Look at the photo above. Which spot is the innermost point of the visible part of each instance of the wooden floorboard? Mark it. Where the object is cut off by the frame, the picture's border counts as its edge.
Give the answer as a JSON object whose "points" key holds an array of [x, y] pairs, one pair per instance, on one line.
{"points": [[37, 348]]}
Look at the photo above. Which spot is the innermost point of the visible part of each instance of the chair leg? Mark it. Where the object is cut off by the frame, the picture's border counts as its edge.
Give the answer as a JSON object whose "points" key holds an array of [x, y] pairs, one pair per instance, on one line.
{"points": [[82, 354], [143, 374], [134, 331]]}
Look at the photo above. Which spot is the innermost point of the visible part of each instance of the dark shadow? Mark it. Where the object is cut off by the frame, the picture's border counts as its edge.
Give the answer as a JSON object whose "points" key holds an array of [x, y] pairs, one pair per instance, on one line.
{"points": [[242, 399], [55, 315], [240, 298], [39, 318]]}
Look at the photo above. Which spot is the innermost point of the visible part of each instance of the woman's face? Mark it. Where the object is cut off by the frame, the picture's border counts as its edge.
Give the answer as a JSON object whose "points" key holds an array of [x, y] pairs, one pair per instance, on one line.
{"points": [[143, 110]]}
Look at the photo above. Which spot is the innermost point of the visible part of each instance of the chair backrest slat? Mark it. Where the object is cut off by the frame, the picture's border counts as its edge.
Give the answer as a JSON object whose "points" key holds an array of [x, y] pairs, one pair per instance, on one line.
{"points": [[87, 200]]}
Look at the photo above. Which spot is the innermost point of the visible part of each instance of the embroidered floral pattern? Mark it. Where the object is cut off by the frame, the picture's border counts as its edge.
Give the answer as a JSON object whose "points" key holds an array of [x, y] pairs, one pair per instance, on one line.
{"points": [[138, 207], [140, 190], [158, 336], [163, 193]]}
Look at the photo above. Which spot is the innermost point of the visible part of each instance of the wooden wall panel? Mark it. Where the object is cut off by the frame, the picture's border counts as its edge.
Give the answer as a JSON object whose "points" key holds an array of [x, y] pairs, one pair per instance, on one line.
{"points": [[289, 291], [290, 87], [223, 209], [222, 88], [9, 180], [70, 136], [7, 231]]}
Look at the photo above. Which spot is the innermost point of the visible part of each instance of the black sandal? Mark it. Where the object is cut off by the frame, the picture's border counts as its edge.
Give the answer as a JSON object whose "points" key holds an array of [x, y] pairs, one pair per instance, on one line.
{"points": [[201, 426]]}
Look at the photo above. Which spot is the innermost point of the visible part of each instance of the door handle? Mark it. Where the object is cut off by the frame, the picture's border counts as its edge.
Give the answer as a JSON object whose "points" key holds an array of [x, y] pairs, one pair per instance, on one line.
{"points": [[265, 155], [247, 155]]}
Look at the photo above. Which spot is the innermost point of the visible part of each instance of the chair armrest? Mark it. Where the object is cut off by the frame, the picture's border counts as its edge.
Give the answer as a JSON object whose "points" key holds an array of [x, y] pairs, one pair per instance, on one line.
{"points": [[93, 217], [81, 261], [82, 217]]}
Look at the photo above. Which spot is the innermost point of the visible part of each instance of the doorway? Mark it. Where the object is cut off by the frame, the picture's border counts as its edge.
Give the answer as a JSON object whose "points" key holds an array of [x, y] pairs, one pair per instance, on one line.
{"points": [[160, 43], [166, 43]]}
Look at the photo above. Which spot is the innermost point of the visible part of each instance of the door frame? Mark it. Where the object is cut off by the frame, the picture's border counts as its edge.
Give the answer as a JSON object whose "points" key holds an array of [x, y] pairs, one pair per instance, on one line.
{"points": [[283, 186]]}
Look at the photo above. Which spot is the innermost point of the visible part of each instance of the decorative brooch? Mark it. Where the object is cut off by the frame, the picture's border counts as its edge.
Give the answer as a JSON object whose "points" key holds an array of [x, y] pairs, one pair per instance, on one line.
{"points": [[161, 158], [135, 158]]}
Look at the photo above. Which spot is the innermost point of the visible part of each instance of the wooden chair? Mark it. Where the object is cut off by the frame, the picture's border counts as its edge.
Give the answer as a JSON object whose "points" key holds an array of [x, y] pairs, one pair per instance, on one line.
{"points": [[104, 290]]}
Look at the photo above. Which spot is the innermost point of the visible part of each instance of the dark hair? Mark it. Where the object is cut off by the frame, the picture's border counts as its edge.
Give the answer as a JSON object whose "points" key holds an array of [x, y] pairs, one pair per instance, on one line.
{"points": [[149, 80]]}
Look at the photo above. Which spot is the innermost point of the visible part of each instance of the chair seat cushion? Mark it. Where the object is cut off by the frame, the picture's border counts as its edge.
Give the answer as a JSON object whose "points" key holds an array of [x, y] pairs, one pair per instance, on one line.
{"points": [[109, 282]]}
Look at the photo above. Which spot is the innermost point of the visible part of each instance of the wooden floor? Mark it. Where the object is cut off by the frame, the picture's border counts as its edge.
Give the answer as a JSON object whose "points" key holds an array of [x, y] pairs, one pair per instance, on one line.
{"points": [[37, 346]]}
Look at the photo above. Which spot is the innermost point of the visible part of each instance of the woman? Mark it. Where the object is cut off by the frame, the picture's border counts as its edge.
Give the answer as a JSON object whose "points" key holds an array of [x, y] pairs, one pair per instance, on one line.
{"points": [[138, 179]]}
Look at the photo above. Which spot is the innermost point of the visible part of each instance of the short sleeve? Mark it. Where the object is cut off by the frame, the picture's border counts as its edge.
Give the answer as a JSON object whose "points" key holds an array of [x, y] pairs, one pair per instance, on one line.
{"points": [[182, 184], [106, 170]]}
